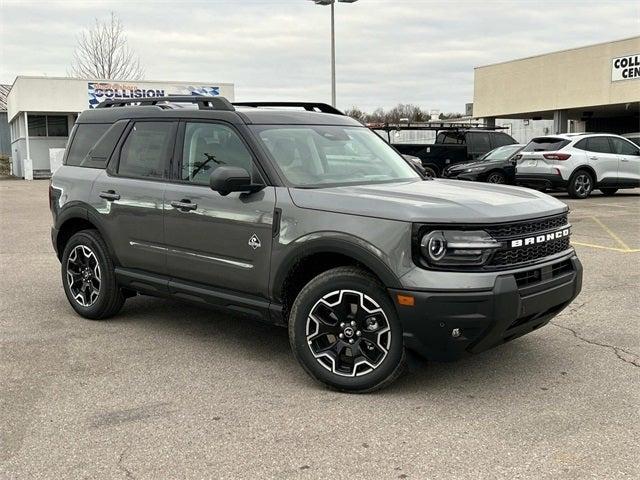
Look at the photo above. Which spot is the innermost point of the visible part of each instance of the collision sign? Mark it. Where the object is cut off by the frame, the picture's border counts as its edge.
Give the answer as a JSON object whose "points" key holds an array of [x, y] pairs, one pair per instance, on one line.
{"points": [[625, 68]]}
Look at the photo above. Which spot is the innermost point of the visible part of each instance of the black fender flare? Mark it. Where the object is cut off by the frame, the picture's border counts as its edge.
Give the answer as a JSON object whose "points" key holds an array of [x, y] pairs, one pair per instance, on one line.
{"points": [[81, 212], [337, 243]]}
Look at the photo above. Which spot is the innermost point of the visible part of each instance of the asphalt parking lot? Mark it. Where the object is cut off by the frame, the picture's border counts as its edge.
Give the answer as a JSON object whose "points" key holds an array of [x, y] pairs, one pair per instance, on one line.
{"points": [[167, 390]]}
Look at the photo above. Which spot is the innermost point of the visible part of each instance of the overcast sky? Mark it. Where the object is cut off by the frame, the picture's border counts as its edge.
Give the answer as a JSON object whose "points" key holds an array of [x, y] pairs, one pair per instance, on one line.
{"points": [[388, 51]]}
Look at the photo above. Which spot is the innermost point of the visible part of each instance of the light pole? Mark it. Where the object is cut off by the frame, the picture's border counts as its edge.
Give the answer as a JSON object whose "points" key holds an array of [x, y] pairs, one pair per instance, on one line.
{"points": [[333, 43]]}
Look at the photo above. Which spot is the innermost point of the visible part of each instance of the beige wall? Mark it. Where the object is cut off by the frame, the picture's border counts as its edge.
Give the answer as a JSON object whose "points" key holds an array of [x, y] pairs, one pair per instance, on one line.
{"points": [[569, 79]]}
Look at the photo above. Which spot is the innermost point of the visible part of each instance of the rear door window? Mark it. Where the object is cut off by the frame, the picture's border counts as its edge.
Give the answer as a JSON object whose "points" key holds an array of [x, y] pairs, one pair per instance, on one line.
{"points": [[545, 144], [478, 142], [598, 145], [147, 150], [84, 138], [500, 139]]}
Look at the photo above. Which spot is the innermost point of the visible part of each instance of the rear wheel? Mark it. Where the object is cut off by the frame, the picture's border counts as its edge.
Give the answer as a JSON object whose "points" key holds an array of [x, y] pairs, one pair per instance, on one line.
{"points": [[581, 184], [344, 331], [88, 276], [496, 177], [608, 191]]}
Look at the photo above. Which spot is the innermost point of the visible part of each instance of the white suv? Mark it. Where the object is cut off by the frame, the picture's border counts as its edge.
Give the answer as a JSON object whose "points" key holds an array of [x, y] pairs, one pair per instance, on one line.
{"points": [[579, 162]]}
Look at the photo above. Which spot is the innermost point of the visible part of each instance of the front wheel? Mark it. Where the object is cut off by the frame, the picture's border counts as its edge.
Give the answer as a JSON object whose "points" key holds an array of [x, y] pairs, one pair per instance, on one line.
{"points": [[344, 331], [496, 177]]}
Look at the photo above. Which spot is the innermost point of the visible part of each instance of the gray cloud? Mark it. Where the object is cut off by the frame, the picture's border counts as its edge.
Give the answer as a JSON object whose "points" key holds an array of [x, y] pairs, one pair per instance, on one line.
{"points": [[418, 51]]}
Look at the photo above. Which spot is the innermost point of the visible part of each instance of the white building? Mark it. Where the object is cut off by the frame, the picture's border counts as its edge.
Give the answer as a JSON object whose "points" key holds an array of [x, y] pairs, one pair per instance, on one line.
{"points": [[42, 110]]}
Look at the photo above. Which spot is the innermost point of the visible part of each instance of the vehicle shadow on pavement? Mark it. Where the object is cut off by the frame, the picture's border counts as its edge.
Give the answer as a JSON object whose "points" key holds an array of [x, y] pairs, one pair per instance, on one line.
{"points": [[253, 341]]}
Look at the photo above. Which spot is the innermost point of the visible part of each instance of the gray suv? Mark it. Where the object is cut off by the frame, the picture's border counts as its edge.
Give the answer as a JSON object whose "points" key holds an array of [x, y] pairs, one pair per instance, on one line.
{"points": [[307, 219]]}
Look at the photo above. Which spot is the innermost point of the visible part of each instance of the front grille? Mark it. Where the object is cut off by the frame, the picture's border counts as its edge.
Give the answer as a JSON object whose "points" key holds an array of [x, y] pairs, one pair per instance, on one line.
{"points": [[527, 227], [529, 253], [530, 277]]}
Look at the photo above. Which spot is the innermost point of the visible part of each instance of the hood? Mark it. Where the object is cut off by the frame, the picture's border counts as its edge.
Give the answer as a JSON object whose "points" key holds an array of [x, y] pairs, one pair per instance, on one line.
{"points": [[436, 201], [482, 163]]}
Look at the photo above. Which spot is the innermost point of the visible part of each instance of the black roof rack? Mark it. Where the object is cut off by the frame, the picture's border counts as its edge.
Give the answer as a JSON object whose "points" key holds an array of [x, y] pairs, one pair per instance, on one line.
{"points": [[437, 126], [309, 106], [203, 103]]}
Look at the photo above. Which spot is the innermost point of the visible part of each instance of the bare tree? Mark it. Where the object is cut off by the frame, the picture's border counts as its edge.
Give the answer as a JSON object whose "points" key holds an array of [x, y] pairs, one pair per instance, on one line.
{"points": [[400, 112], [103, 53]]}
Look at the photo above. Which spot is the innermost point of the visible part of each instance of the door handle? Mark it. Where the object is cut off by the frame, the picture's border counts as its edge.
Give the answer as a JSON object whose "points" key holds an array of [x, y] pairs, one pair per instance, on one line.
{"points": [[624, 159], [110, 195], [184, 205]]}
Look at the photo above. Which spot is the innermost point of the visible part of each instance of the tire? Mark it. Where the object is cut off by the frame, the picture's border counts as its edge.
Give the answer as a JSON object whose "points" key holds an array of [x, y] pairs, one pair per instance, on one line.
{"points": [[430, 172], [608, 191], [496, 177], [581, 184], [376, 331], [88, 277]]}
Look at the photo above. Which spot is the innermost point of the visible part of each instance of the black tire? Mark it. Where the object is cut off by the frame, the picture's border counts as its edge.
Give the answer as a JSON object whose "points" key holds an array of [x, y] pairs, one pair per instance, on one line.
{"points": [[496, 177], [608, 191], [430, 172], [375, 320], [101, 277], [580, 184]]}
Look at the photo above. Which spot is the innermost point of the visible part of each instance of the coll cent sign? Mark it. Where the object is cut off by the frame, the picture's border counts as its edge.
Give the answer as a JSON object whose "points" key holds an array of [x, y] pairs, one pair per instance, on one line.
{"points": [[625, 68]]}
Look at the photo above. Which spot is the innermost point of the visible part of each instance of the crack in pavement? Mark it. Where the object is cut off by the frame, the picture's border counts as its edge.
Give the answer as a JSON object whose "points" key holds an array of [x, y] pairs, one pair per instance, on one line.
{"points": [[121, 465], [632, 359]]}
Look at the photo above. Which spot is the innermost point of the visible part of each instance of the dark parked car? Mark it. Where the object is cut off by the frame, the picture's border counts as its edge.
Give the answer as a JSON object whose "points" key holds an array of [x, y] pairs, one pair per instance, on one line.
{"points": [[454, 146], [497, 166], [307, 220]]}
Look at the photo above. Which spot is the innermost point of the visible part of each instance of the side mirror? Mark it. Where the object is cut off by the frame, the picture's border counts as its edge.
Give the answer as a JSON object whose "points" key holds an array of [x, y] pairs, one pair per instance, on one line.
{"points": [[225, 180]]}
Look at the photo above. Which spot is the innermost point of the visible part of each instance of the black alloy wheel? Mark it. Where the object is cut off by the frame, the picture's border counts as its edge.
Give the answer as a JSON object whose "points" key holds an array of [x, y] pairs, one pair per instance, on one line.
{"points": [[344, 330], [496, 177]]}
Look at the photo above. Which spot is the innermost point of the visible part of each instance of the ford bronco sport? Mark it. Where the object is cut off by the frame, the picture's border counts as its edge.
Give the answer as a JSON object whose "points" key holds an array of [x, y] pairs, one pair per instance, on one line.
{"points": [[308, 219]]}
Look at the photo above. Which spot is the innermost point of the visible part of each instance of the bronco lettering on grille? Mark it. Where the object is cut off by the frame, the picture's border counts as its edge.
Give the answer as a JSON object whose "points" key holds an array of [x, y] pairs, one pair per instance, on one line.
{"points": [[547, 237]]}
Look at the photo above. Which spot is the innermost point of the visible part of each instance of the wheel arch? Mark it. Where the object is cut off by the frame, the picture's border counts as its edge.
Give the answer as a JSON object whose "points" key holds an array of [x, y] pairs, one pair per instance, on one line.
{"points": [[587, 168], [312, 257], [72, 221]]}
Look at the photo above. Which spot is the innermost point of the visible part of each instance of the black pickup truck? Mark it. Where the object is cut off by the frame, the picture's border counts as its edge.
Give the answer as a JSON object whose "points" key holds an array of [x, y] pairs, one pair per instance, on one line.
{"points": [[452, 144]]}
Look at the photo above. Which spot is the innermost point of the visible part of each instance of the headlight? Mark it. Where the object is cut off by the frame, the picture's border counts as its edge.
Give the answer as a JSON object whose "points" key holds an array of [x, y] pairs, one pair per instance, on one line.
{"points": [[474, 169], [442, 248]]}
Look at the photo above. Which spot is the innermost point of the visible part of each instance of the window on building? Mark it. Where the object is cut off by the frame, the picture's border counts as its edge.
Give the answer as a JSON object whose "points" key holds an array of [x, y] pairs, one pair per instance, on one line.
{"points": [[37, 125], [146, 151], [57, 126], [48, 125]]}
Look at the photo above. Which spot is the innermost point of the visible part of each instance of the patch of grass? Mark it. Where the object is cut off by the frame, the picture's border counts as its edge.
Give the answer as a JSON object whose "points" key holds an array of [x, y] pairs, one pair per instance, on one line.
{"points": [[4, 165]]}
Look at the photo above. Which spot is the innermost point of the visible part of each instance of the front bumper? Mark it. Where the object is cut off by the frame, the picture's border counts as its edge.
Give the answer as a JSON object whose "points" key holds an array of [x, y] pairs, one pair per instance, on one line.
{"points": [[518, 304]]}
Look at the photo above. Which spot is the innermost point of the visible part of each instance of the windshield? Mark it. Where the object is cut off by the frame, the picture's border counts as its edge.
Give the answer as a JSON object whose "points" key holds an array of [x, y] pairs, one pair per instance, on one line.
{"points": [[312, 155], [502, 153]]}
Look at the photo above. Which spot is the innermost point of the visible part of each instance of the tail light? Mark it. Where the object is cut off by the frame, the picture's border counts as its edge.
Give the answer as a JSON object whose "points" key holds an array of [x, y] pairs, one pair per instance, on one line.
{"points": [[556, 156]]}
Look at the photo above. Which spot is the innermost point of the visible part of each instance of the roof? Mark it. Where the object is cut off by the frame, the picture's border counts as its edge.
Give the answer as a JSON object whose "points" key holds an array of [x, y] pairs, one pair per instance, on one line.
{"points": [[4, 91], [241, 114], [591, 45]]}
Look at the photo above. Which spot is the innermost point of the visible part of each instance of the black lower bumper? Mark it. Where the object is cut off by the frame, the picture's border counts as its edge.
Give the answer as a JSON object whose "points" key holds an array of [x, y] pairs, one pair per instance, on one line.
{"points": [[541, 180], [517, 304]]}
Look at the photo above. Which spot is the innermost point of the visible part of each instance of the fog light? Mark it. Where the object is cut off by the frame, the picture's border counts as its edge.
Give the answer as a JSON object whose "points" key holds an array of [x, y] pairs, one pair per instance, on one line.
{"points": [[455, 333]]}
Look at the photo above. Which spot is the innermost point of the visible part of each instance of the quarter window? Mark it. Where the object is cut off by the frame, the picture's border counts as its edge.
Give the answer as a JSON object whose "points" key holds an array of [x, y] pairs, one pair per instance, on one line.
{"points": [[147, 149], [87, 134], [208, 146]]}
